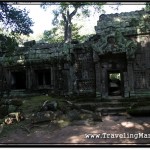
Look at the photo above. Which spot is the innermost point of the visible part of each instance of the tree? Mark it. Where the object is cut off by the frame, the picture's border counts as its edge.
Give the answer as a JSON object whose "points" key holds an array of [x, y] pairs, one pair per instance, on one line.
{"points": [[15, 20], [147, 6], [68, 10], [52, 36], [56, 34], [7, 43]]}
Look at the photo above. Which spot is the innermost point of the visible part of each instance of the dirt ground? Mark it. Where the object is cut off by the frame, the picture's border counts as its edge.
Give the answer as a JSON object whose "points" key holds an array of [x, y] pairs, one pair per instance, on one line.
{"points": [[76, 132]]}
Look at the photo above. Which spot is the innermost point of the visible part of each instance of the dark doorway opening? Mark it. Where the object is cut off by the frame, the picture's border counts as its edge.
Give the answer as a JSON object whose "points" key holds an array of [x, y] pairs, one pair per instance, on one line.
{"points": [[115, 83], [43, 77], [18, 80]]}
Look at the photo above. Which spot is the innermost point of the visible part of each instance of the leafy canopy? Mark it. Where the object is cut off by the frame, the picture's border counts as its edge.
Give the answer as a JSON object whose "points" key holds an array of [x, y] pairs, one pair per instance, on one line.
{"points": [[15, 20], [7, 43], [67, 10], [56, 34], [147, 6]]}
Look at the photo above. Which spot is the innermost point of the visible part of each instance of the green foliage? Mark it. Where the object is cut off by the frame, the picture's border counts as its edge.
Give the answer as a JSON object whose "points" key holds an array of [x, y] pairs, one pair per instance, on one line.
{"points": [[51, 36], [147, 7], [56, 34], [32, 104], [67, 10], [7, 43], [14, 19], [134, 22], [75, 33], [115, 76]]}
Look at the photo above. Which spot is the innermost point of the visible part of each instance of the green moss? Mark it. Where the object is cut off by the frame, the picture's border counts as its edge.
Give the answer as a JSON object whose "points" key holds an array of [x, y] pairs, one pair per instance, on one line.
{"points": [[63, 123], [32, 104], [7, 129]]}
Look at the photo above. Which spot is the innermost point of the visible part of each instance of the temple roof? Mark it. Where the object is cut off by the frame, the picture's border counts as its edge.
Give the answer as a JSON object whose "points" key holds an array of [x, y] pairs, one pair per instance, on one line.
{"points": [[37, 53], [128, 23], [114, 29]]}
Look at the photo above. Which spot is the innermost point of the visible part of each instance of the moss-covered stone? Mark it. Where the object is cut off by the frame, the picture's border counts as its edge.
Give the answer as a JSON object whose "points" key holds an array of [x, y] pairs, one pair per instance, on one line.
{"points": [[140, 111], [3, 110], [16, 102]]}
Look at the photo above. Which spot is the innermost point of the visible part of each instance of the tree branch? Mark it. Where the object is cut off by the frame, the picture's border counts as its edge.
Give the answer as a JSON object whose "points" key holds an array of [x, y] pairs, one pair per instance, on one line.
{"points": [[74, 12]]}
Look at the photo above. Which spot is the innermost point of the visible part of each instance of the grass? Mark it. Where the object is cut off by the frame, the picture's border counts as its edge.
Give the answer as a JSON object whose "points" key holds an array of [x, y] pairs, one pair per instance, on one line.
{"points": [[32, 104], [13, 127]]}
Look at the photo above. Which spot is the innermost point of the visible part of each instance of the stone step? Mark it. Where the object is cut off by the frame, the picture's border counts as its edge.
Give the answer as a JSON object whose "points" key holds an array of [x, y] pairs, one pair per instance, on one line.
{"points": [[132, 99], [20, 94], [110, 104], [106, 104], [112, 111]]}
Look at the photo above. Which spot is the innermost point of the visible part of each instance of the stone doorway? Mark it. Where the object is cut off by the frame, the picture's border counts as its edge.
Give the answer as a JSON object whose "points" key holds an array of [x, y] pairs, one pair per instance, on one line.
{"points": [[18, 80], [115, 83], [43, 78]]}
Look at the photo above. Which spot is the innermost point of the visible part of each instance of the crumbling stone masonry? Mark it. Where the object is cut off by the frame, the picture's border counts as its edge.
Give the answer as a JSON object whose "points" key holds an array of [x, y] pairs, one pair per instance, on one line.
{"points": [[114, 61]]}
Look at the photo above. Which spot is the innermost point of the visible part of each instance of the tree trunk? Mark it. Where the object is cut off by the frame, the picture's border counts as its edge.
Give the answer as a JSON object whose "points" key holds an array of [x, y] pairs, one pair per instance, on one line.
{"points": [[68, 25], [65, 31], [69, 30]]}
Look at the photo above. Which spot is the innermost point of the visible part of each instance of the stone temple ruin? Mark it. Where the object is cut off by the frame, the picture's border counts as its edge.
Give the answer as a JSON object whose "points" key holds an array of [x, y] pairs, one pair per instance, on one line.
{"points": [[114, 61]]}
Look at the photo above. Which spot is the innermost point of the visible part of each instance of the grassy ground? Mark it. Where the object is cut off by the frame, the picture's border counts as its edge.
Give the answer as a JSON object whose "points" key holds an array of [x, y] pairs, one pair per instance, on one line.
{"points": [[30, 105], [33, 104]]}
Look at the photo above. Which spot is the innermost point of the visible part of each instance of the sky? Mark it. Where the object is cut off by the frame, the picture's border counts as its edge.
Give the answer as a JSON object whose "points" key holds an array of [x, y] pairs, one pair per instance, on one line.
{"points": [[42, 19]]}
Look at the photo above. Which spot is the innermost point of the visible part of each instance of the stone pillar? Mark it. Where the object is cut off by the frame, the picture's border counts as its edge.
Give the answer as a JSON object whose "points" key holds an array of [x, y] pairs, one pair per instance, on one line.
{"points": [[104, 79], [104, 85], [130, 76], [71, 79], [28, 79], [147, 78], [126, 88], [98, 79], [8, 79], [52, 77], [33, 79], [98, 76]]}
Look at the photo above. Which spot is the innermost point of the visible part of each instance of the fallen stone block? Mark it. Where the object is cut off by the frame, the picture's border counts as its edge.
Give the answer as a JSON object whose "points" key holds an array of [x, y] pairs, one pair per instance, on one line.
{"points": [[16, 102], [43, 117], [73, 115], [97, 117], [3, 110]]}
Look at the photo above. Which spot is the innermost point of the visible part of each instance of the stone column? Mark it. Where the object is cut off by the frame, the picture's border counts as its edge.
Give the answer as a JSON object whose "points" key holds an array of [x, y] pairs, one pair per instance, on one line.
{"points": [[33, 79], [98, 76], [147, 72], [104, 79], [9, 80], [28, 79], [126, 84], [130, 76], [98, 79], [71, 79], [52, 77]]}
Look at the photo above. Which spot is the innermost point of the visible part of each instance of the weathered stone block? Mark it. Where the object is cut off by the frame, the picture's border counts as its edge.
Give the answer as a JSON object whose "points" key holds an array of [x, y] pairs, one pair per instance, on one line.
{"points": [[43, 117], [12, 108], [16, 102], [3, 110], [73, 115]]}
